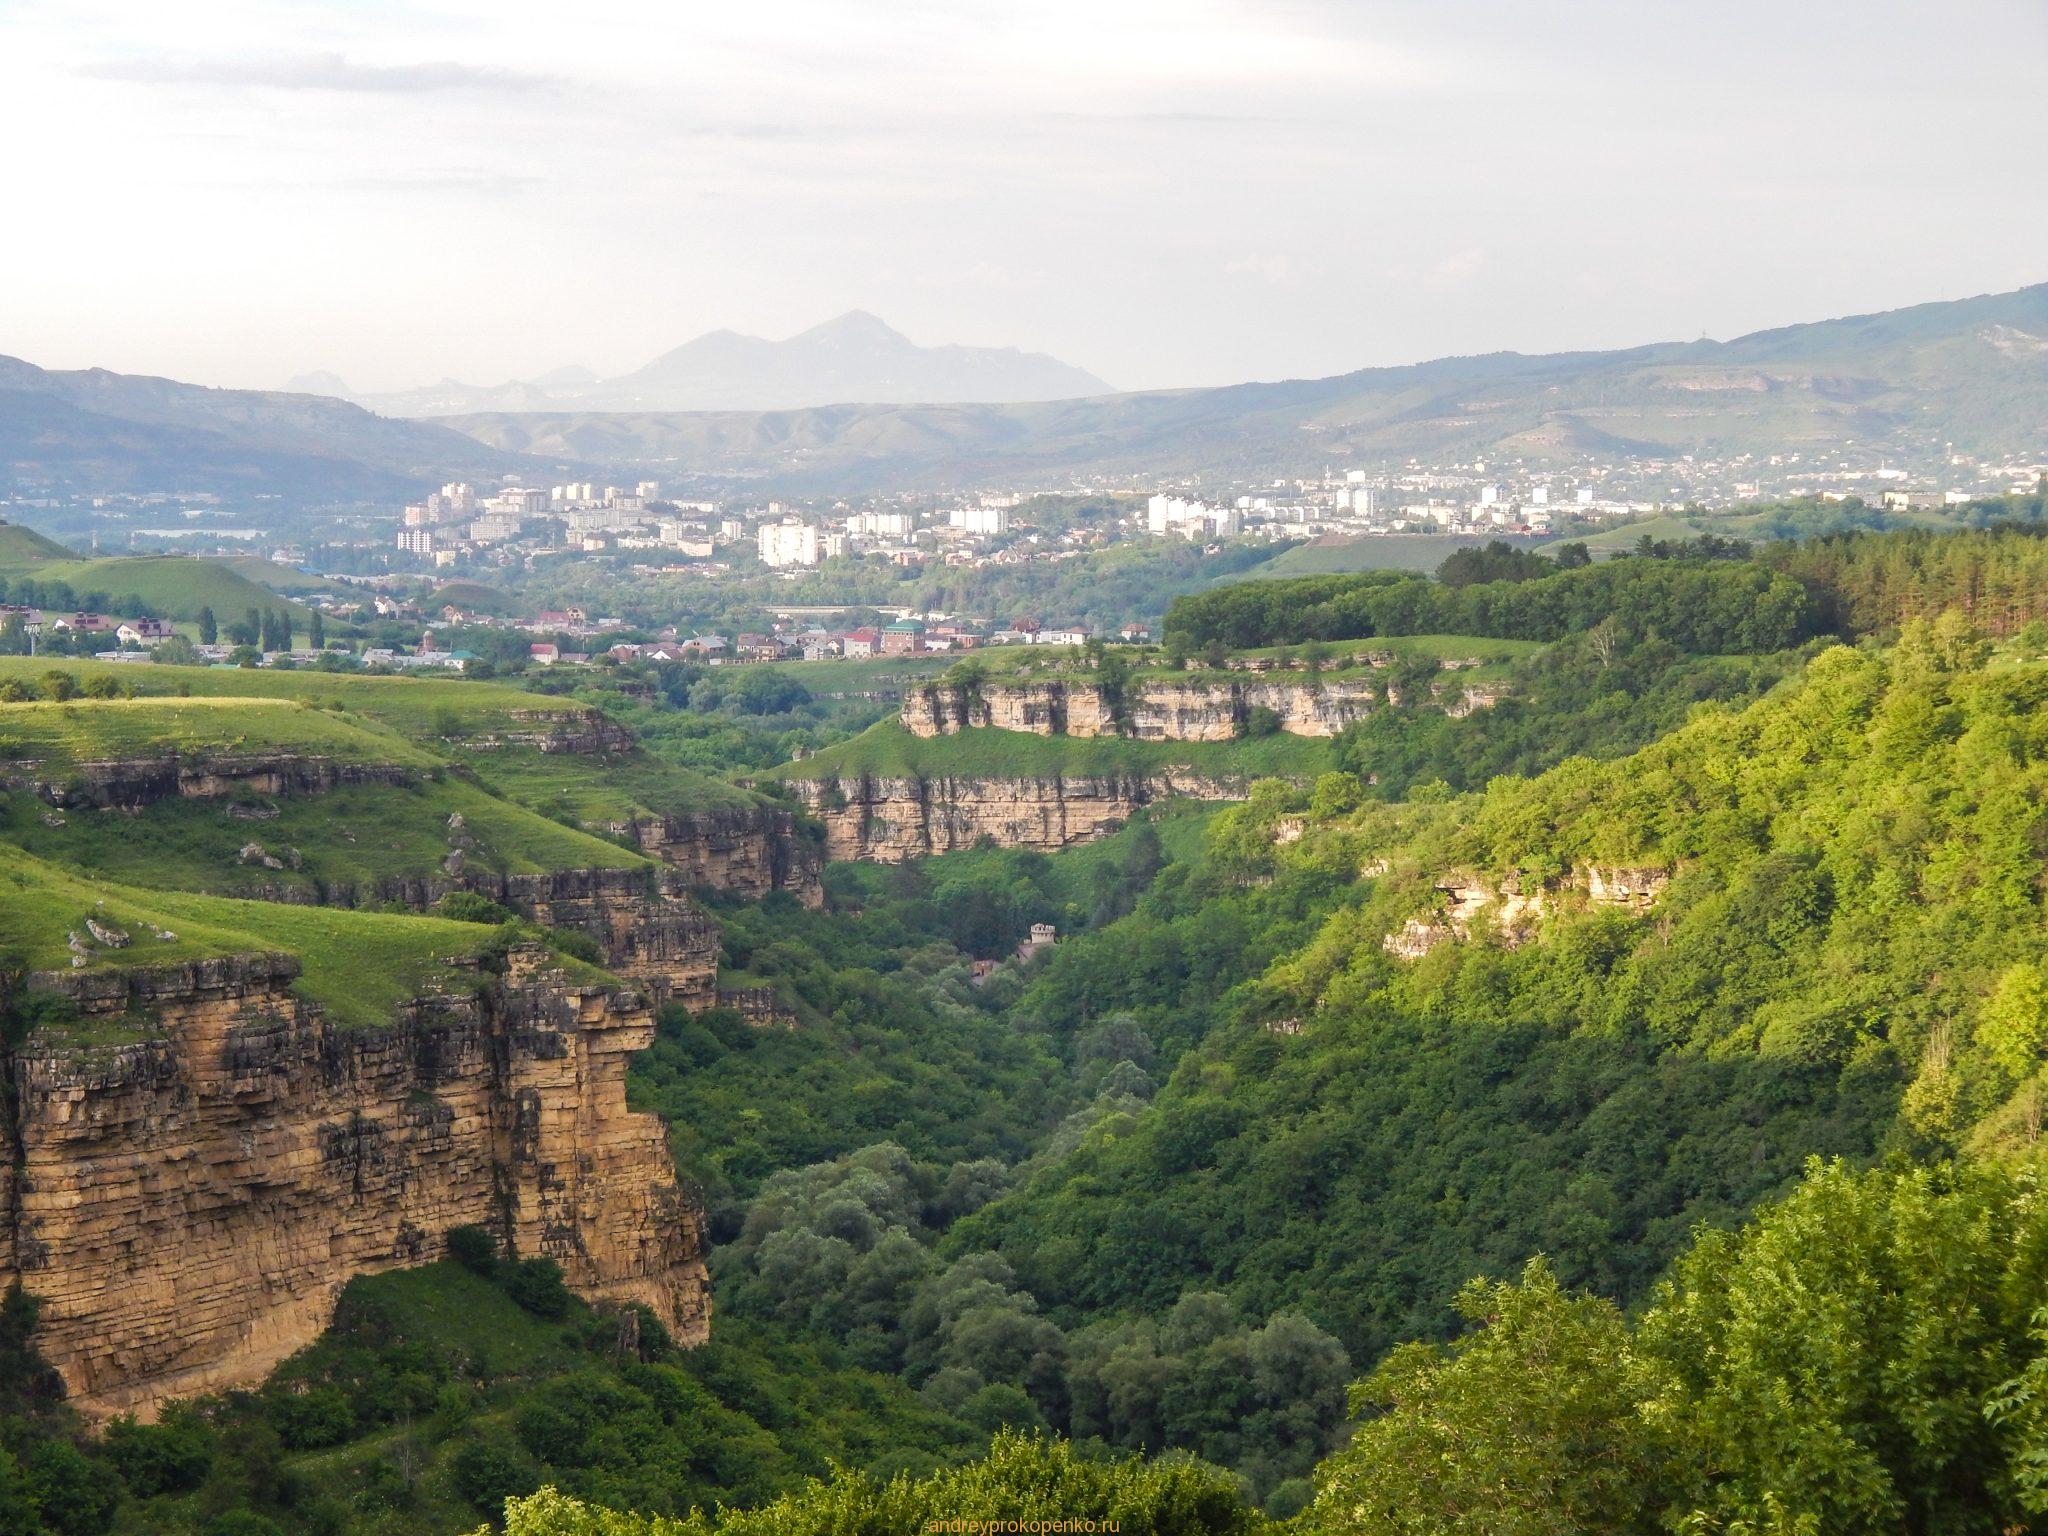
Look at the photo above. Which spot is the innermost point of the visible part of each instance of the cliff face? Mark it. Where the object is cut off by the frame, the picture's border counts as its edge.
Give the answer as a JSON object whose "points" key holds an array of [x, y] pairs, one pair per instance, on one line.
{"points": [[752, 850], [130, 784], [889, 820], [642, 921], [189, 1207], [1158, 710]]}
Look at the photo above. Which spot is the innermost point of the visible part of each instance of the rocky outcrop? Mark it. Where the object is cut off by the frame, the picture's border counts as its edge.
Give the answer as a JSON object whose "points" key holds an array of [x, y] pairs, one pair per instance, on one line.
{"points": [[130, 784], [1466, 902], [570, 732], [1193, 709], [189, 1206], [751, 850], [889, 820], [642, 920]]}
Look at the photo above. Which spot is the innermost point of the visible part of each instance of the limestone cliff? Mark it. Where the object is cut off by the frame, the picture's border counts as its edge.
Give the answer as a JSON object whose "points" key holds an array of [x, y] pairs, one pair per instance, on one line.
{"points": [[188, 1206], [751, 850], [642, 921], [130, 784], [1192, 708], [889, 820]]}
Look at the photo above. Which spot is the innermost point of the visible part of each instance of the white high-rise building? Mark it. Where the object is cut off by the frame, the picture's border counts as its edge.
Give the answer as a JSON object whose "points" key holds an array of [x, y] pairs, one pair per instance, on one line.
{"points": [[788, 544], [881, 525], [983, 520]]}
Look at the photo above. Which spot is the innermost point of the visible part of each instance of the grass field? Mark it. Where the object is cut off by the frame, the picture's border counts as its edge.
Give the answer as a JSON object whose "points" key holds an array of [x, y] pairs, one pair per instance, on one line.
{"points": [[887, 750], [423, 709], [285, 580], [1337, 555], [348, 840], [359, 966], [85, 730]]}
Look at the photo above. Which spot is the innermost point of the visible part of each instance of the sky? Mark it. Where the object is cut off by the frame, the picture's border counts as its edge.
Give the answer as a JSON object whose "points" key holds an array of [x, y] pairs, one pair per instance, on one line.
{"points": [[1165, 192]]}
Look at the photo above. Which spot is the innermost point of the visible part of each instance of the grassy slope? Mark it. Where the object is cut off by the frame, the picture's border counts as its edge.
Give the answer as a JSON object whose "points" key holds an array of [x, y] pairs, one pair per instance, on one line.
{"points": [[177, 586], [444, 715], [355, 836], [84, 730], [360, 966], [352, 837], [1376, 552], [887, 750], [416, 707]]}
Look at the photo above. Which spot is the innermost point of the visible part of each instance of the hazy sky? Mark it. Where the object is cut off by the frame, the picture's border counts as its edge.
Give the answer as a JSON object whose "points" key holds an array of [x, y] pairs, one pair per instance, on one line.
{"points": [[1164, 191]]}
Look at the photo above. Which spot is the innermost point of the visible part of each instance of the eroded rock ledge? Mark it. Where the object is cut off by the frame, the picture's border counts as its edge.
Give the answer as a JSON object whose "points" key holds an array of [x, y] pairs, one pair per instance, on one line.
{"points": [[1469, 903], [889, 820], [189, 1206], [749, 850], [1162, 710]]}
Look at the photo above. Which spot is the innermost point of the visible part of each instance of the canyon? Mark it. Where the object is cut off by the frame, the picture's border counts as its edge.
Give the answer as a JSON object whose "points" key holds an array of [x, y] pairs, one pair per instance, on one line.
{"points": [[201, 1160]]}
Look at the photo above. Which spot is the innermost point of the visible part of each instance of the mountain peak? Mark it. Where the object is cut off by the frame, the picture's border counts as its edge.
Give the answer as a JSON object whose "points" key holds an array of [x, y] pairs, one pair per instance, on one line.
{"points": [[319, 382], [857, 326]]}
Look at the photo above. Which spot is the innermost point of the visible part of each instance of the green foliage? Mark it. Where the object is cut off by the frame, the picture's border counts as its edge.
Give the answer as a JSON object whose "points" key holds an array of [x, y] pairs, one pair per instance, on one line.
{"points": [[1527, 1426], [1022, 1479], [1702, 606], [1844, 1363], [1596, 695], [1496, 560]]}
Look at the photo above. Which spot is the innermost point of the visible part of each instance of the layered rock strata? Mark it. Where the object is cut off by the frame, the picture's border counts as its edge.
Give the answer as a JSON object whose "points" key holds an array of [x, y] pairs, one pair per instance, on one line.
{"points": [[888, 820], [750, 850], [1161, 709], [188, 1206]]}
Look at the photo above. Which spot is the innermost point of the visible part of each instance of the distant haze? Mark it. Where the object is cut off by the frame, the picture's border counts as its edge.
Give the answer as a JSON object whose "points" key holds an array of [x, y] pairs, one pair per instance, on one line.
{"points": [[1157, 192], [855, 358]]}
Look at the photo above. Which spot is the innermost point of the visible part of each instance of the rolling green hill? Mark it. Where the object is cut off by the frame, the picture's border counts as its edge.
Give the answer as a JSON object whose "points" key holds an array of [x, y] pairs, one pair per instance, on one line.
{"points": [[171, 586]]}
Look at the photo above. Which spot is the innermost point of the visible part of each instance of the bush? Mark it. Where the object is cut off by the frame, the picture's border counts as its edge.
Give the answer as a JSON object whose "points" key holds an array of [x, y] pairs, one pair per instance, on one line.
{"points": [[469, 907], [577, 946], [536, 1284], [1260, 721], [474, 1248], [169, 1456], [491, 1469]]}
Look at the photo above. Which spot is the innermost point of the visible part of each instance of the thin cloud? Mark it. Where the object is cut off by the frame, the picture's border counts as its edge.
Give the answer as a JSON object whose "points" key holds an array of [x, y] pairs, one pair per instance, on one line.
{"points": [[316, 72], [484, 183]]}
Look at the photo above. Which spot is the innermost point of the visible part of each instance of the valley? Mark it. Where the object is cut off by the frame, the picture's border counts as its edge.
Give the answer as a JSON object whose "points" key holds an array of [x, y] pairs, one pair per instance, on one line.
{"points": [[428, 1091]]}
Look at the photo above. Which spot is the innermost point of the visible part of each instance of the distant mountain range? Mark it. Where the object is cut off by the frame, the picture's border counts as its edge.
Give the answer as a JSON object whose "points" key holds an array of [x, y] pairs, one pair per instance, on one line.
{"points": [[855, 358], [91, 431], [1972, 372], [1906, 383]]}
